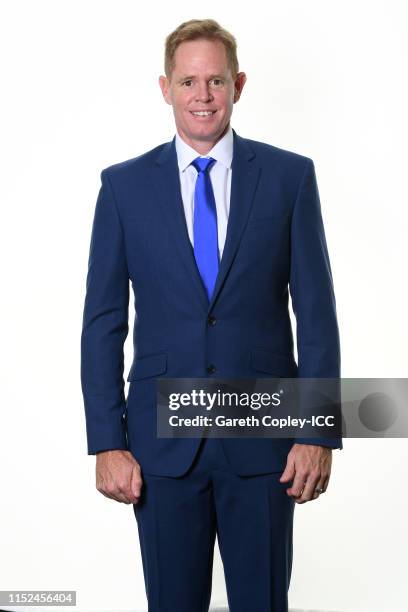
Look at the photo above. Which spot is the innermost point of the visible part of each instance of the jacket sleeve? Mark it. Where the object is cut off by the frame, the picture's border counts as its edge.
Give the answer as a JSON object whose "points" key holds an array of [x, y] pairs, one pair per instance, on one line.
{"points": [[105, 327], [312, 293]]}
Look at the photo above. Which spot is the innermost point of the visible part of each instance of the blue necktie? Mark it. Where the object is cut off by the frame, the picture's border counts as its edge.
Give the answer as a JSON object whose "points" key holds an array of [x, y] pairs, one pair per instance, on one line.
{"points": [[205, 225]]}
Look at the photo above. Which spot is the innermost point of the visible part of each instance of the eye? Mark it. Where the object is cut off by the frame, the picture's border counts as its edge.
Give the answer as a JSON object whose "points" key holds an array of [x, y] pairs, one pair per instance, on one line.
{"points": [[217, 82], [186, 82]]}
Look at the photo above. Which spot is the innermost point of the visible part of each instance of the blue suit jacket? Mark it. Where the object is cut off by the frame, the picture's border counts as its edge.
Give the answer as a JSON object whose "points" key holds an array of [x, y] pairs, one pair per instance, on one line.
{"points": [[275, 243]]}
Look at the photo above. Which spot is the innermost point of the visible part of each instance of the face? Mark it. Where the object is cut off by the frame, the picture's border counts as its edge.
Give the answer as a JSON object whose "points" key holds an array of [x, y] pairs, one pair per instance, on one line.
{"points": [[202, 92]]}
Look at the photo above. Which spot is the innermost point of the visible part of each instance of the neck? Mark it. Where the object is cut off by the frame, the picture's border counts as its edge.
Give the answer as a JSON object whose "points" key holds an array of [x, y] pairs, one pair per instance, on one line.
{"points": [[202, 146]]}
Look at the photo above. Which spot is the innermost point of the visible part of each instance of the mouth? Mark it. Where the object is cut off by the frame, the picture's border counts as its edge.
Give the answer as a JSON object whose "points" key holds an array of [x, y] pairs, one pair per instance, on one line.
{"points": [[203, 114]]}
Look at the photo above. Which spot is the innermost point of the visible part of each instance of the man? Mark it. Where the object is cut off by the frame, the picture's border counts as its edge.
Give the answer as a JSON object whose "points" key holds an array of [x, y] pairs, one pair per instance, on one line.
{"points": [[213, 230]]}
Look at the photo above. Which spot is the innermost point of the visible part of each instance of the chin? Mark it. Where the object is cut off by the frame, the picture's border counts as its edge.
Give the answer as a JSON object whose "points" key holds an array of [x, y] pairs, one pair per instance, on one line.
{"points": [[200, 134]]}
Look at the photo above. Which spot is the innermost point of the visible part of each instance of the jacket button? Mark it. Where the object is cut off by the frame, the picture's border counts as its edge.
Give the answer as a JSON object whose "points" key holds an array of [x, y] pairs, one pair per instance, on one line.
{"points": [[211, 368], [211, 320]]}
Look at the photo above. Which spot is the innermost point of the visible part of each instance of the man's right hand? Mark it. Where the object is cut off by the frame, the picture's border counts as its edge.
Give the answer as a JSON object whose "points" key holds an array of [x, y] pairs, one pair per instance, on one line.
{"points": [[118, 476]]}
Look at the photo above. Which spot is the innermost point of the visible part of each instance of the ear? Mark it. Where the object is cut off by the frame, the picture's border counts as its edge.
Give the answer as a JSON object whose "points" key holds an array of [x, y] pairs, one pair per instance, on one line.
{"points": [[165, 88], [239, 83]]}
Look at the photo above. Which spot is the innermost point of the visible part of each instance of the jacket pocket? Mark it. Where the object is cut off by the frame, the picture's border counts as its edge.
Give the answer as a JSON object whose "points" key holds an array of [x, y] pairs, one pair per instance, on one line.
{"points": [[146, 367], [273, 363]]}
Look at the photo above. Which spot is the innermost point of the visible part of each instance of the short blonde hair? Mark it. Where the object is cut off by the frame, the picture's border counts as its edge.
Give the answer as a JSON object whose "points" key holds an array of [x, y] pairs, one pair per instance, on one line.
{"points": [[200, 28]]}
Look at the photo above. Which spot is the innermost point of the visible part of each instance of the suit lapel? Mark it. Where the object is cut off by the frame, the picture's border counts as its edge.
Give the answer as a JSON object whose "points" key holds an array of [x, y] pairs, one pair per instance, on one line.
{"points": [[245, 174], [166, 181], [244, 179]]}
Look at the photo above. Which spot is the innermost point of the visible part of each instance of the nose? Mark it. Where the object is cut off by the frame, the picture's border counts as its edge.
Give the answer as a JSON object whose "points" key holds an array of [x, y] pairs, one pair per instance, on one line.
{"points": [[203, 93]]}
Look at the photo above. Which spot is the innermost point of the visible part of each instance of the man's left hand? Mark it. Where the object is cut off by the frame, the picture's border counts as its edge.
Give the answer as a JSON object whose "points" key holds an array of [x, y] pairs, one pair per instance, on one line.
{"points": [[309, 467]]}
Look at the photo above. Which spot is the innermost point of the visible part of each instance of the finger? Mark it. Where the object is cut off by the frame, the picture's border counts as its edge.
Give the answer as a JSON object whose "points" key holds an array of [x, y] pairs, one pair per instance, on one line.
{"points": [[320, 486], [308, 490], [325, 482], [125, 494], [136, 482], [118, 486], [115, 494], [130, 491], [113, 491], [118, 492], [298, 483], [289, 472]]}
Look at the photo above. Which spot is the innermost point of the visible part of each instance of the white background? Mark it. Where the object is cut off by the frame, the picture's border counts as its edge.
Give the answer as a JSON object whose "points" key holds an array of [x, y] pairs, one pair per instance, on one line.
{"points": [[80, 92]]}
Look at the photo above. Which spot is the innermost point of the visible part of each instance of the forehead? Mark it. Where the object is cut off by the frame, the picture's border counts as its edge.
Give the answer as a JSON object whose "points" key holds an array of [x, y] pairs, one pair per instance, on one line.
{"points": [[196, 56]]}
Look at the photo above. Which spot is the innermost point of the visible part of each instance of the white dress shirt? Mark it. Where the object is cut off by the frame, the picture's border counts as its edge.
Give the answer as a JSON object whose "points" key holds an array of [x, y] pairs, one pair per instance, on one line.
{"points": [[220, 175]]}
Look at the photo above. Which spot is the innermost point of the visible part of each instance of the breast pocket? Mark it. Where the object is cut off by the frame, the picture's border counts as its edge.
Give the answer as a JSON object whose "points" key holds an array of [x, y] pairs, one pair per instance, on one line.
{"points": [[267, 222]]}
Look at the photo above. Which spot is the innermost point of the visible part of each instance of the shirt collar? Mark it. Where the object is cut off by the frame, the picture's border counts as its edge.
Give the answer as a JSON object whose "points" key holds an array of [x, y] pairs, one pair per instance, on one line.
{"points": [[221, 151]]}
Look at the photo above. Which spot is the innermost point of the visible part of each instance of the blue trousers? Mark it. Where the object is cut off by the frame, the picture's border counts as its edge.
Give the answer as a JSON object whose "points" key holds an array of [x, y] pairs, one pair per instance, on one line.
{"points": [[178, 519]]}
